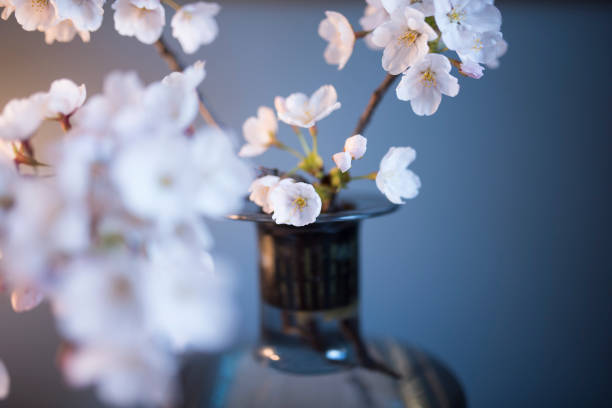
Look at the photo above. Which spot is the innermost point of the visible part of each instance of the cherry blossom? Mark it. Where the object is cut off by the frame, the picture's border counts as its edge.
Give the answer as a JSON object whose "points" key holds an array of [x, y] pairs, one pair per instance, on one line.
{"points": [[337, 30], [300, 110], [479, 47], [425, 82], [404, 37], [259, 132], [21, 117], [194, 25], [86, 15], [8, 6], [26, 298], [394, 180], [501, 48], [294, 203], [143, 19], [34, 14], [64, 98], [356, 146], [260, 190], [342, 160], [457, 18]]}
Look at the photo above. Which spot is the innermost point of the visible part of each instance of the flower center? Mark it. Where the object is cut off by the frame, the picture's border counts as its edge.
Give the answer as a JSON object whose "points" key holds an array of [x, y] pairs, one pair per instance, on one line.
{"points": [[455, 15], [166, 180], [40, 5], [428, 78], [477, 44], [409, 37], [300, 203]]}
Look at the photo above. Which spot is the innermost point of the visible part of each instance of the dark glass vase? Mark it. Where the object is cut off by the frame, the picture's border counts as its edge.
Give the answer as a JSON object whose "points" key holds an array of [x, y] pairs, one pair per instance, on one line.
{"points": [[311, 352]]}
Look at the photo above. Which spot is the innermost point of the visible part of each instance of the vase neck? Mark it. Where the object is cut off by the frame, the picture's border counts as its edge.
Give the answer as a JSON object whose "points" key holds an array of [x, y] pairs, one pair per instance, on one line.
{"points": [[309, 281]]}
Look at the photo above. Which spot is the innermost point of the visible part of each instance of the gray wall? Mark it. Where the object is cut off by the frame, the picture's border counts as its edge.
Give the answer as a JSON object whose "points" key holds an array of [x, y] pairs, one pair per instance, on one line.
{"points": [[501, 267]]}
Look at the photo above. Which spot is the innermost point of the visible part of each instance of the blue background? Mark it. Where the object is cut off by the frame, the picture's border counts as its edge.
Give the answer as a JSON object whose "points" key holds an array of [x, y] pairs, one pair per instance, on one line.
{"points": [[501, 267]]}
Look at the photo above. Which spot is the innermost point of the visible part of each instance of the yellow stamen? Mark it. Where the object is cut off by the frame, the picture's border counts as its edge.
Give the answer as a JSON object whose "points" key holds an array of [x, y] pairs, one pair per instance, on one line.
{"points": [[409, 37], [455, 15], [300, 203], [429, 78]]}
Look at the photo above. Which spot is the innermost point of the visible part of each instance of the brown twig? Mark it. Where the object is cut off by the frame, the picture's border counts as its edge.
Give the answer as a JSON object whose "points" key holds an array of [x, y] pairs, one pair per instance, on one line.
{"points": [[375, 99], [174, 65]]}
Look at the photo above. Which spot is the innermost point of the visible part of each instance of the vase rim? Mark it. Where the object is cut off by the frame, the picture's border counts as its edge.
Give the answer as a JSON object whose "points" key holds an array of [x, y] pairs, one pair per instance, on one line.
{"points": [[358, 206]]}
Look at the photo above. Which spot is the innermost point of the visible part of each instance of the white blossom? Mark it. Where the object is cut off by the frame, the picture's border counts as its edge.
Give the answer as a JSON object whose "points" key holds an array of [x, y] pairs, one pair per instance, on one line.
{"points": [[194, 25], [356, 146], [155, 178], [188, 302], [479, 47], [9, 7], [502, 48], [424, 6], [21, 117], [134, 375], [100, 300], [471, 69], [373, 16], [64, 31], [296, 204], [394, 180], [143, 19], [260, 190], [34, 14], [425, 82], [405, 37], [259, 132], [26, 298], [64, 98], [300, 110], [458, 18], [337, 30], [342, 160], [5, 381], [223, 176], [86, 15]]}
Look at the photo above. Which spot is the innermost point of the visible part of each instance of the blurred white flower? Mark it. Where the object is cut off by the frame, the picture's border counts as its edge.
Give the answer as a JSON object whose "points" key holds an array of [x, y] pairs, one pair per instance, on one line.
{"points": [[155, 178], [342, 160], [5, 381], [479, 47], [425, 82], [424, 6], [259, 132], [26, 298], [300, 110], [86, 15], [296, 204], [337, 30], [9, 7], [356, 146], [223, 176], [64, 31], [34, 14], [143, 19], [405, 38], [501, 49], [188, 302], [22, 117], [394, 180], [260, 190], [134, 375], [99, 300], [194, 25], [374, 15], [64, 98], [456, 18]]}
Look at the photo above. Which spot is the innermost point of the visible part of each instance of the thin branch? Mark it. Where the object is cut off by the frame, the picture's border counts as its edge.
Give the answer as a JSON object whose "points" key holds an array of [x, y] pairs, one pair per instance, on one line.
{"points": [[375, 99], [174, 65]]}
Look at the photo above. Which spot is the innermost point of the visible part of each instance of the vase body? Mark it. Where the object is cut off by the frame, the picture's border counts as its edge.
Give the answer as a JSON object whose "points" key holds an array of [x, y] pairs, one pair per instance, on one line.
{"points": [[311, 351]]}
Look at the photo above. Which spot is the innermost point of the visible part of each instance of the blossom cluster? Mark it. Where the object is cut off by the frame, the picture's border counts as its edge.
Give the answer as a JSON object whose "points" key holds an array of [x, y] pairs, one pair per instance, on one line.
{"points": [[414, 35], [116, 240], [299, 203], [193, 24]]}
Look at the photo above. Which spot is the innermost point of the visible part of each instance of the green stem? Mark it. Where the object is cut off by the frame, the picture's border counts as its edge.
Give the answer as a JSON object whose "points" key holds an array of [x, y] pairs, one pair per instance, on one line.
{"points": [[371, 176], [313, 134], [288, 149], [300, 136]]}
